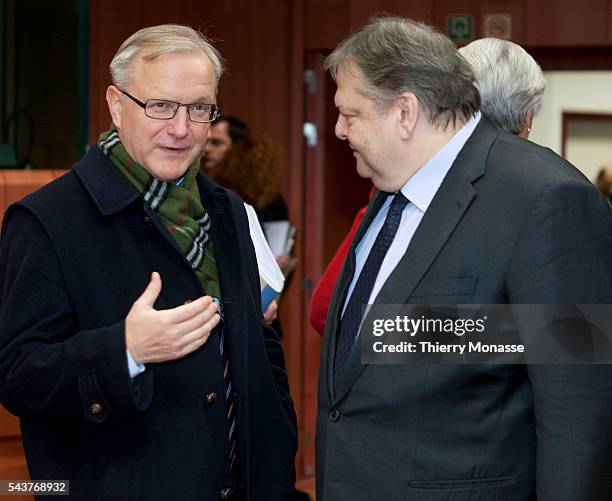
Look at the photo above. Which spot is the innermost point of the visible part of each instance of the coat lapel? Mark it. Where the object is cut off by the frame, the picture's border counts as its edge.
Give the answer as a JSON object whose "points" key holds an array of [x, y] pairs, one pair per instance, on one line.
{"points": [[111, 191], [227, 244], [444, 213]]}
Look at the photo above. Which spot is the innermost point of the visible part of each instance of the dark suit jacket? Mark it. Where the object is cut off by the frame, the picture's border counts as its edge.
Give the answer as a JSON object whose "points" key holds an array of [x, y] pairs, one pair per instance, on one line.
{"points": [[511, 223], [74, 257]]}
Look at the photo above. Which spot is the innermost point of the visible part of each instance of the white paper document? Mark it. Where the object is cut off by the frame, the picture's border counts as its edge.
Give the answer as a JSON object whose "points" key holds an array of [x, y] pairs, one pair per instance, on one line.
{"points": [[279, 235], [269, 271]]}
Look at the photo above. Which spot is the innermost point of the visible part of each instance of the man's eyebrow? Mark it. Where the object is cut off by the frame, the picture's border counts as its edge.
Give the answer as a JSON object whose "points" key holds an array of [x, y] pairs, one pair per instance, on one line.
{"points": [[197, 100], [201, 99]]}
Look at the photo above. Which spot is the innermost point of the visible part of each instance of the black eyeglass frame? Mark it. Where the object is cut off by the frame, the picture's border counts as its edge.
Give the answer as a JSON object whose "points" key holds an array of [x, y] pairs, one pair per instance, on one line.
{"points": [[215, 111]]}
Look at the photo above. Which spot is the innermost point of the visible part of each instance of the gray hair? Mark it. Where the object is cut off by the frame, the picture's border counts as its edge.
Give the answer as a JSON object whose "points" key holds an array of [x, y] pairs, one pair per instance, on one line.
{"points": [[510, 82], [152, 42], [398, 55]]}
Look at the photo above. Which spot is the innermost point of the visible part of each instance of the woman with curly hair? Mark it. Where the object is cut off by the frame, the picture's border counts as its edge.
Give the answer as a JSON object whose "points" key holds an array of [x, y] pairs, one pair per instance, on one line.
{"points": [[253, 169]]}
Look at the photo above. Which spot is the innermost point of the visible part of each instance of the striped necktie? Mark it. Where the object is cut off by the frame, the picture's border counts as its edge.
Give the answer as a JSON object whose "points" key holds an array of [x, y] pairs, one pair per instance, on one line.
{"points": [[229, 401]]}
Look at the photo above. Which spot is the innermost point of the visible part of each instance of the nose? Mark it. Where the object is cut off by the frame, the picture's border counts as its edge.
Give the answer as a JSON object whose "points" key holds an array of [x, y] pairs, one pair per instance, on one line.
{"points": [[180, 122], [341, 129]]}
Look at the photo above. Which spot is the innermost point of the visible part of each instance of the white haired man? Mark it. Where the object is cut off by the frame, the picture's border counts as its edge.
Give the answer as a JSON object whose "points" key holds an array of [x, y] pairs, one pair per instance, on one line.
{"points": [[510, 82], [132, 343]]}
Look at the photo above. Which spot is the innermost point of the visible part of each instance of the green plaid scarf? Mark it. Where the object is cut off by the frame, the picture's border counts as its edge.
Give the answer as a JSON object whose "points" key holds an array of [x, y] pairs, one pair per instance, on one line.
{"points": [[178, 205]]}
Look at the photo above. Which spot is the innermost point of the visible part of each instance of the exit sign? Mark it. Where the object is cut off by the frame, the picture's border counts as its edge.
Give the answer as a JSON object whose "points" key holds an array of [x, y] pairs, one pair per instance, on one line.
{"points": [[460, 28]]}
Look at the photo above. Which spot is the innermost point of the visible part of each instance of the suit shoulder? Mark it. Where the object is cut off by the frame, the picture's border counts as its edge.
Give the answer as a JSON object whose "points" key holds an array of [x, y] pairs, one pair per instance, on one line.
{"points": [[525, 162]]}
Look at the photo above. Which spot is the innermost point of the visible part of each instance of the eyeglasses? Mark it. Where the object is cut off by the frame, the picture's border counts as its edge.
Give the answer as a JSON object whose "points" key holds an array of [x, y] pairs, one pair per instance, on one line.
{"points": [[165, 110]]}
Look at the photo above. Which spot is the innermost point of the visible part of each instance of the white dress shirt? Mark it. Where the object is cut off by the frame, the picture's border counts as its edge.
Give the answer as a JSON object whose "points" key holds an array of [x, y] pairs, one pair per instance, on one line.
{"points": [[419, 190]]}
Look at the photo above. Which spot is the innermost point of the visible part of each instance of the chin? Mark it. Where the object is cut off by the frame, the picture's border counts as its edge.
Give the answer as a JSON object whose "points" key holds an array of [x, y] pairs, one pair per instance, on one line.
{"points": [[363, 170], [384, 187], [168, 174]]}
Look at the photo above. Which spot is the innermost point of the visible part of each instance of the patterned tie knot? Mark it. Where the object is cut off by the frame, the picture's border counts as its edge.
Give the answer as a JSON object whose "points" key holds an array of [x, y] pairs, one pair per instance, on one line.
{"points": [[353, 313], [399, 203]]}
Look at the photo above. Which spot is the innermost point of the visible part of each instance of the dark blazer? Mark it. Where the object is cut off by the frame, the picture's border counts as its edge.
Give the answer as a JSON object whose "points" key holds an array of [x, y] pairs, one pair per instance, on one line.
{"points": [[74, 257], [511, 223]]}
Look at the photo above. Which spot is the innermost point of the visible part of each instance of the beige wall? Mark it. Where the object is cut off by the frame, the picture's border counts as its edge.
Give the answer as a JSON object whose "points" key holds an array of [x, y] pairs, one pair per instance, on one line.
{"points": [[589, 144]]}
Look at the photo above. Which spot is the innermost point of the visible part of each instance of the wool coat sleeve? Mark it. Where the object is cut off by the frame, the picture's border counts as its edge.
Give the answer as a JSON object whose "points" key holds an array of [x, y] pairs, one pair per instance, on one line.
{"points": [[46, 366]]}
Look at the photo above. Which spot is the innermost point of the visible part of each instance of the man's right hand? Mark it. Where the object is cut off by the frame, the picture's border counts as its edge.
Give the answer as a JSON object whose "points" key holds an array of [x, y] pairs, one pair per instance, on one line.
{"points": [[160, 335]]}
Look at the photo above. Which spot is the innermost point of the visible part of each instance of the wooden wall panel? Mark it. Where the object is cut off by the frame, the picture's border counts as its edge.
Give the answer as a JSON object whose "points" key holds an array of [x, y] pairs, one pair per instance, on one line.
{"points": [[255, 42], [253, 38], [12, 461], [16, 184], [9, 425], [609, 38], [361, 10], [479, 9], [515, 9], [326, 23], [299, 360], [103, 43], [567, 23]]}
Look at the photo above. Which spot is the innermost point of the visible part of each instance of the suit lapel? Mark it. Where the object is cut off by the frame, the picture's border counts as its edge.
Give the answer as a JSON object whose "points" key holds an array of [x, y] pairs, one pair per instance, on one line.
{"points": [[340, 291], [443, 214]]}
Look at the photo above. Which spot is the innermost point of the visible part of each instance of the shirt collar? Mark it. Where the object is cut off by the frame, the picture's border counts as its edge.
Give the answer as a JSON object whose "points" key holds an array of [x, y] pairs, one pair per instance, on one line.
{"points": [[423, 185]]}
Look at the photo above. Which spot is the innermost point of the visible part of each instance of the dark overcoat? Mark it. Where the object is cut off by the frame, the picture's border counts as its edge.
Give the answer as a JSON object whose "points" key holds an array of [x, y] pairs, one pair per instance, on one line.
{"points": [[73, 258]]}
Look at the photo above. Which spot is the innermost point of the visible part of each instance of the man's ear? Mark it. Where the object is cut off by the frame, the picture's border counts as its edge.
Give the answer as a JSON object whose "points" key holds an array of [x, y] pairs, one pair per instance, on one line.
{"points": [[526, 129], [113, 99], [409, 108]]}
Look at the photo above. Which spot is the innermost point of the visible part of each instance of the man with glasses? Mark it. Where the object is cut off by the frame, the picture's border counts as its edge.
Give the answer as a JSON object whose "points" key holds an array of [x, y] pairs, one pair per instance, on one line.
{"points": [[132, 344]]}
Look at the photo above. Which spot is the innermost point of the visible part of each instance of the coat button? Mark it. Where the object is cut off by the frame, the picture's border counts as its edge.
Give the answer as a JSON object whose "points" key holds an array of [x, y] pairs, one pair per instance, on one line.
{"points": [[334, 415], [95, 408], [210, 399], [226, 493]]}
